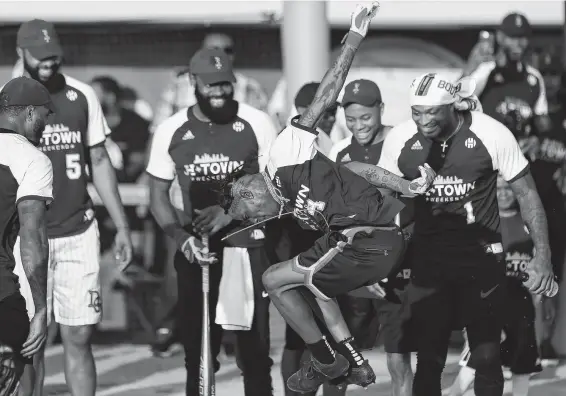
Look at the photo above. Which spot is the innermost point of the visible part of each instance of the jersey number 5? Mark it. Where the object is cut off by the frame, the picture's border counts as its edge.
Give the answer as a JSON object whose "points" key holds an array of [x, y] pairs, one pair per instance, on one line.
{"points": [[73, 164], [470, 217]]}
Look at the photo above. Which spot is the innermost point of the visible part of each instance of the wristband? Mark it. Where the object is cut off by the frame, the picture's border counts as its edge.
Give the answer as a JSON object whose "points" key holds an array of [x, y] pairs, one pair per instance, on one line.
{"points": [[177, 233], [354, 39]]}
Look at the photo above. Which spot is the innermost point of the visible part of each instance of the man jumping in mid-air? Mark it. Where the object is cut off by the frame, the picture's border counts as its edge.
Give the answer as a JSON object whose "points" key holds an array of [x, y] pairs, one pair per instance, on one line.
{"points": [[360, 245]]}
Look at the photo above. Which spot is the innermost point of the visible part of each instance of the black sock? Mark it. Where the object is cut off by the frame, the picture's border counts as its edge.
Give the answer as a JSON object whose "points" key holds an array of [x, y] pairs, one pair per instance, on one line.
{"points": [[322, 351], [348, 349]]}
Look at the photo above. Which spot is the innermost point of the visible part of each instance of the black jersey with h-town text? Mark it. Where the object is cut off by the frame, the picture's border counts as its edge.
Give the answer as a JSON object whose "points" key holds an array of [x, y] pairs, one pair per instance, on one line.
{"points": [[460, 209], [200, 154], [324, 195], [77, 125]]}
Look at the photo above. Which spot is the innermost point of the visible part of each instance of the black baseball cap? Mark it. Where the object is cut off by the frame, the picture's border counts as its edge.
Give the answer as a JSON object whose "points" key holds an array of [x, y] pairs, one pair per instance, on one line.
{"points": [[306, 94], [25, 91], [40, 39], [363, 92], [212, 66], [516, 25]]}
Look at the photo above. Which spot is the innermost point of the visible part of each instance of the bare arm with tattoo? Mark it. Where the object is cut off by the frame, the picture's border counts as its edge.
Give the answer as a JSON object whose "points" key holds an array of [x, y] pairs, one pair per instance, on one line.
{"points": [[534, 217], [334, 79], [384, 179], [34, 248]]}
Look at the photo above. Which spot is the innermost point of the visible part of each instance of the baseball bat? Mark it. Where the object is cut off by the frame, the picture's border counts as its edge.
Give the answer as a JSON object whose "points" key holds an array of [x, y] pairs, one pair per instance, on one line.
{"points": [[206, 379]]}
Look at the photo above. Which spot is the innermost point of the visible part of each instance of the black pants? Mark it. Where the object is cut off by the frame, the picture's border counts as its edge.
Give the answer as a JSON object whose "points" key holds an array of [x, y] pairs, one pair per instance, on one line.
{"points": [[253, 345], [444, 296]]}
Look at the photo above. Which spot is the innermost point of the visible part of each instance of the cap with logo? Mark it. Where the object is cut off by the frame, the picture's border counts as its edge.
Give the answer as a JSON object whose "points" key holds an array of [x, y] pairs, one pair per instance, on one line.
{"points": [[25, 91], [212, 66], [363, 92], [516, 25], [40, 39]]}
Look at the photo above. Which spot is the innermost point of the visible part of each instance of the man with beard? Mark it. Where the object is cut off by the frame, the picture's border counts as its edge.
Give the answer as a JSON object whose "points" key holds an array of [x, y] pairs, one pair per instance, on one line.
{"points": [[510, 90], [457, 269], [74, 142], [26, 177], [201, 145], [363, 108], [180, 92]]}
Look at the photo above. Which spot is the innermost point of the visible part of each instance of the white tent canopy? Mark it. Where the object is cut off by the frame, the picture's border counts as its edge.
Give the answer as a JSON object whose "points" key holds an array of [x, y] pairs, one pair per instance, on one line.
{"points": [[392, 13]]}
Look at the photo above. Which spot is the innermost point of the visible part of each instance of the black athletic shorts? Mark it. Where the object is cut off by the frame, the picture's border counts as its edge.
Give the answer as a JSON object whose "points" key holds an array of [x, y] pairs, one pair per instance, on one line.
{"points": [[519, 351], [463, 286], [340, 262], [14, 330]]}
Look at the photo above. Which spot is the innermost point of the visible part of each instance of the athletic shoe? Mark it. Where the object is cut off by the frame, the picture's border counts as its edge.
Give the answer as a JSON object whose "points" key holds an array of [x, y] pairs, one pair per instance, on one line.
{"points": [[362, 376], [313, 374]]}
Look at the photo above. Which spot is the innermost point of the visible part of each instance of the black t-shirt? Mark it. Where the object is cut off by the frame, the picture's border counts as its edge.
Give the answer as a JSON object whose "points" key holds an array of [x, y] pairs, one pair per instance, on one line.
{"points": [[131, 135], [511, 95], [349, 149], [551, 156], [322, 194]]}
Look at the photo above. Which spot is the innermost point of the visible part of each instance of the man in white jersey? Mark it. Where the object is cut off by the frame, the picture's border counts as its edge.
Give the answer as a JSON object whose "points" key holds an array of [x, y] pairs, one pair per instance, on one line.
{"points": [[26, 177]]}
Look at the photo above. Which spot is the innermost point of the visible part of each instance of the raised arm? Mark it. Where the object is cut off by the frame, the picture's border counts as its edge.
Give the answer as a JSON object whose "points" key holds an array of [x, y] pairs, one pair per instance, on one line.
{"points": [[334, 79]]}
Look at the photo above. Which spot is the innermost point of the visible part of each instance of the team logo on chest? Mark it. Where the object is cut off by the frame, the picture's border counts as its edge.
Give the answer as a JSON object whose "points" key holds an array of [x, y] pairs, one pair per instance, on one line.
{"points": [[238, 126], [188, 135], [305, 207], [210, 166], [72, 95], [470, 143], [449, 189], [58, 137]]}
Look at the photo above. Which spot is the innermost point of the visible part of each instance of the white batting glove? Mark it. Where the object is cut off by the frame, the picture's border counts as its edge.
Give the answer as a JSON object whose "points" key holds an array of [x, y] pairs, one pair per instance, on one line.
{"points": [[195, 251], [421, 185], [361, 18]]}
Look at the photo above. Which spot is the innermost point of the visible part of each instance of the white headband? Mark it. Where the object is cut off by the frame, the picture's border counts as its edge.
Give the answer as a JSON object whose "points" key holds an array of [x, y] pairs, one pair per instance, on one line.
{"points": [[434, 89]]}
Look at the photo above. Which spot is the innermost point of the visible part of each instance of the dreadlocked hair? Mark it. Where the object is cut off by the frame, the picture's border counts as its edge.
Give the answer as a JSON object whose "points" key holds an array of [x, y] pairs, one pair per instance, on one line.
{"points": [[223, 188]]}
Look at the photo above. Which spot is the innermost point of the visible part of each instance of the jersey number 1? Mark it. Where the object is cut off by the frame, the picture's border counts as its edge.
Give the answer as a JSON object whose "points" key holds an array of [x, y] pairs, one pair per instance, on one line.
{"points": [[470, 217], [73, 164]]}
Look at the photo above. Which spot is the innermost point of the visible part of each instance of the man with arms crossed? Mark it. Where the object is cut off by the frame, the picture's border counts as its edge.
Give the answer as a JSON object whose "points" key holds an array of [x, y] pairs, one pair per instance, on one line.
{"points": [[74, 142], [26, 178], [458, 275], [363, 108], [354, 251]]}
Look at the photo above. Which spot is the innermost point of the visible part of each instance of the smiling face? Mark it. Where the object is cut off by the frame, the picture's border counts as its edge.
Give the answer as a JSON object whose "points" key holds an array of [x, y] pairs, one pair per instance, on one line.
{"points": [[432, 121], [364, 122]]}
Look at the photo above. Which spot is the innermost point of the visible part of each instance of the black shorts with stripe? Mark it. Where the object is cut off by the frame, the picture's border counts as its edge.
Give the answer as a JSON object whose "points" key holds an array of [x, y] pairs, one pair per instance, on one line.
{"points": [[342, 261]]}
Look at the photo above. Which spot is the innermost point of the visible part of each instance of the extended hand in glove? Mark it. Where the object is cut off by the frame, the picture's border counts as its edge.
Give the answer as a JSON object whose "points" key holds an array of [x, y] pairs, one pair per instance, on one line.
{"points": [[421, 185], [195, 251]]}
